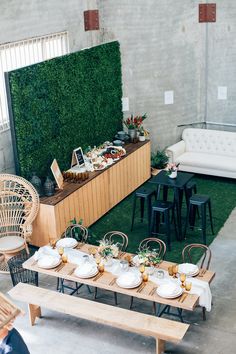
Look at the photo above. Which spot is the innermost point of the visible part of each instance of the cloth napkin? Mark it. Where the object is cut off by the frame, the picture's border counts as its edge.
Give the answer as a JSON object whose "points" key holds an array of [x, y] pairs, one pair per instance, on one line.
{"points": [[199, 287], [188, 268], [86, 269], [46, 251], [128, 279]]}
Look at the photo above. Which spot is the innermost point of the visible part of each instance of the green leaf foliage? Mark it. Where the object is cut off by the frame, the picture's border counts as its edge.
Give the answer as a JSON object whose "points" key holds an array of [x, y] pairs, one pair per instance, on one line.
{"points": [[63, 103]]}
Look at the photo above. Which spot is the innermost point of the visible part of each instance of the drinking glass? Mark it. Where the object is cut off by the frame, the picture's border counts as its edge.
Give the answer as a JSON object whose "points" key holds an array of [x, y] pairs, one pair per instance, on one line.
{"points": [[101, 267], [142, 268], [175, 270], [64, 258], [145, 276], [52, 241], [188, 285], [170, 271], [124, 265], [60, 251], [182, 278]]}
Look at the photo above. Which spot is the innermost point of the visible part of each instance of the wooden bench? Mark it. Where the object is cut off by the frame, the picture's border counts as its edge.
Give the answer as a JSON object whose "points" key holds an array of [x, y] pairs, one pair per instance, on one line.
{"points": [[159, 328]]}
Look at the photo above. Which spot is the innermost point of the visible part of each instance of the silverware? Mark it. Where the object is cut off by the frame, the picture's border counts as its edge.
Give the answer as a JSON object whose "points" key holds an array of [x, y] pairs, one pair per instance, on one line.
{"points": [[180, 298], [144, 284], [153, 291], [59, 267], [112, 282], [202, 272], [71, 271]]}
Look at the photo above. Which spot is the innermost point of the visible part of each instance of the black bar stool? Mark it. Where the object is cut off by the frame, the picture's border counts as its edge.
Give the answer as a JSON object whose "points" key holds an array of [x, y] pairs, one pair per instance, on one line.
{"points": [[198, 201], [145, 195], [163, 208]]}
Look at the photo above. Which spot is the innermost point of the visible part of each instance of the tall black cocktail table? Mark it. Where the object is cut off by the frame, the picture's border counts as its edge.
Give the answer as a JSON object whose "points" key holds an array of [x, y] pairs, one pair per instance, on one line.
{"points": [[177, 183]]}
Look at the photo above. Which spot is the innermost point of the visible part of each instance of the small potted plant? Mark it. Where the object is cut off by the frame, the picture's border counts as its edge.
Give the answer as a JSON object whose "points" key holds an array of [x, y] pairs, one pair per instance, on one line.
{"points": [[172, 169], [141, 134], [159, 161]]}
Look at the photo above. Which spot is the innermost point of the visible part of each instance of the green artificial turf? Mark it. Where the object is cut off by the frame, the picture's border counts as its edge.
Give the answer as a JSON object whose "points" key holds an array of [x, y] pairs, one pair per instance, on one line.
{"points": [[223, 198]]}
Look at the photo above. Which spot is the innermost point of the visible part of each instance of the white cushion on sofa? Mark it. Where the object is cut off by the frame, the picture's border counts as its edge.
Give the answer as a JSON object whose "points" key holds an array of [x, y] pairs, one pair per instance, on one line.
{"points": [[10, 243], [207, 161]]}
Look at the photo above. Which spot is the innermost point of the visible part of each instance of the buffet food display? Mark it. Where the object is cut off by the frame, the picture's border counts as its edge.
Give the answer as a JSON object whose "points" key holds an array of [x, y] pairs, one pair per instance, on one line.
{"points": [[101, 158]]}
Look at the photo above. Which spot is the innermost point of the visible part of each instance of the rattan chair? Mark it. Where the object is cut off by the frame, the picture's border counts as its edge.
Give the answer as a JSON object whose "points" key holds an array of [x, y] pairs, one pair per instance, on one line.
{"points": [[19, 205]]}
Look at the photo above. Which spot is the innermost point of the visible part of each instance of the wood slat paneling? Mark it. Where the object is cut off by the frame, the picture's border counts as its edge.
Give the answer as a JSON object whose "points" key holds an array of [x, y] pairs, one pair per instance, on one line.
{"points": [[95, 198]]}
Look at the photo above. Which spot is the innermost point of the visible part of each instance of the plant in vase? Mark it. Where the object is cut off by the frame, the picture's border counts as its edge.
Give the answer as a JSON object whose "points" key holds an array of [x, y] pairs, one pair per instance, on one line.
{"points": [[134, 124], [149, 258], [172, 169], [143, 134], [159, 161], [108, 250]]}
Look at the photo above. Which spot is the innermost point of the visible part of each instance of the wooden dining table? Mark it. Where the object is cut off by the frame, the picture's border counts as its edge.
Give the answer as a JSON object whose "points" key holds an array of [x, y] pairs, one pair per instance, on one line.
{"points": [[107, 281]]}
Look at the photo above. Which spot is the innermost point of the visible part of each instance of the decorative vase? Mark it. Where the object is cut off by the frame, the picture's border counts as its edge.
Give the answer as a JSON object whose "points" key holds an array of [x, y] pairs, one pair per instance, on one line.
{"points": [[132, 134], [173, 174], [108, 261], [36, 182], [48, 187], [141, 138]]}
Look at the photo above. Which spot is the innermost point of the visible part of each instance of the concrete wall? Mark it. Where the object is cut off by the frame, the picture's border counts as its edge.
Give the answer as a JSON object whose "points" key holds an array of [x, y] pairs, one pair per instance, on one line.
{"points": [[163, 48], [25, 19]]}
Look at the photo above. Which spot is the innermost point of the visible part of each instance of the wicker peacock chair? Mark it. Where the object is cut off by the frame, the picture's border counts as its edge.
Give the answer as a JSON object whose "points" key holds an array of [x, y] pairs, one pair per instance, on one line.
{"points": [[19, 205]]}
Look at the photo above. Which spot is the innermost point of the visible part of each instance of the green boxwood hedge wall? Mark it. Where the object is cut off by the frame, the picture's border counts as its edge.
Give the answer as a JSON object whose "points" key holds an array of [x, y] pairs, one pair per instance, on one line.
{"points": [[63, 103]]}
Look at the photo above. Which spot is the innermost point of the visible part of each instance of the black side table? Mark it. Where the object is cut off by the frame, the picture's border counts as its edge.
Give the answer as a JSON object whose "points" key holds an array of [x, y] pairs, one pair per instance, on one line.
{"points": [[177, 183]]}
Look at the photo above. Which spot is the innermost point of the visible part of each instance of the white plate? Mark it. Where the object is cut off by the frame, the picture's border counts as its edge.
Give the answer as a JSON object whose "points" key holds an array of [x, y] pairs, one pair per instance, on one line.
{"points": [[54, 263], [67, 242], [84, 276], [183, 265], [173, 296], [134, 285], [169, 290]]}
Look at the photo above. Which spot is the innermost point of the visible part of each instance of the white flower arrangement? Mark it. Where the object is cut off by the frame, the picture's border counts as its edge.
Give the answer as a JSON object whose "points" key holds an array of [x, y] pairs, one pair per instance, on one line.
{"points": [[107, 249]]}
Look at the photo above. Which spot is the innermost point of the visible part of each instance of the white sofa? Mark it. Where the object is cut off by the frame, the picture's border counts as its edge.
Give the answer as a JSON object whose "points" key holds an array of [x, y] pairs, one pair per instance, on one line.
{"points": [[210, 152]]}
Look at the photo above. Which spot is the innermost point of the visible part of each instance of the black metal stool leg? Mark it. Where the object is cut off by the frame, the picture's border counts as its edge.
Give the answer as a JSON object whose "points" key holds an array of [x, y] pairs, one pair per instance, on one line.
{"points": [[167, 223], [210, 214], [203, 215], [134, 207], [142, 202]]}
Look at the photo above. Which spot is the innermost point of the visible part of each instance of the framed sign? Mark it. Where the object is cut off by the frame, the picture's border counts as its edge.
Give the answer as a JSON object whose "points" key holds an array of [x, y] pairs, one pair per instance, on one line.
{"points": [[57, 174], [77, 157]]}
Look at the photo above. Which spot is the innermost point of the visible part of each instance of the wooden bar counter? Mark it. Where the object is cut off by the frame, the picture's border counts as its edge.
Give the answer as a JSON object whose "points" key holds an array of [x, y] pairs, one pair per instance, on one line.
{"points": [[91, 199]]}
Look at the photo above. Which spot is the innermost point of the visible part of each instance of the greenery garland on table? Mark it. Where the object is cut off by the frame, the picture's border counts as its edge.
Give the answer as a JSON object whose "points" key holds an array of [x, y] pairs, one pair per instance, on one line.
{"points": [[63, 103]]}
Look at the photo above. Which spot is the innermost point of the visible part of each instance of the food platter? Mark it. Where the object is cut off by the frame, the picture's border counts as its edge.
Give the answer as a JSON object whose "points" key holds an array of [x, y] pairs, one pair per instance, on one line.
{"points": [[102, 158]]}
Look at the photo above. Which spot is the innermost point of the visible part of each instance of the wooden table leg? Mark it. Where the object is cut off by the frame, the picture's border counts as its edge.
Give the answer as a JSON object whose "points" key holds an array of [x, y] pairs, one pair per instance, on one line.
{"points": [[34, 312], [160, 346]]}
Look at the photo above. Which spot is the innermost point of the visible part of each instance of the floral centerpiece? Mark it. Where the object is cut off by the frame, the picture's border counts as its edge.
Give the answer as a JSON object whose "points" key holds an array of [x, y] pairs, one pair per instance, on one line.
{"points": [[149, 257], [107, 249], [171, 170], [134, 122]]}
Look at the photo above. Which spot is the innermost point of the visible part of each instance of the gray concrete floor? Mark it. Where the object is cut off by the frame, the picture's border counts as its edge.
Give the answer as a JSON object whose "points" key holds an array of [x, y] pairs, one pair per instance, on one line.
{"points": [[59, 333]]}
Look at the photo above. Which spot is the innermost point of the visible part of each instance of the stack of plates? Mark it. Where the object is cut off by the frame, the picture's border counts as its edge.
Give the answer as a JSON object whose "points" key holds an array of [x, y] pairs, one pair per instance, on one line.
{"points": [[67, 242], [86, 270], [128, 280], [169, 290], [189, 269], [48, 262]]}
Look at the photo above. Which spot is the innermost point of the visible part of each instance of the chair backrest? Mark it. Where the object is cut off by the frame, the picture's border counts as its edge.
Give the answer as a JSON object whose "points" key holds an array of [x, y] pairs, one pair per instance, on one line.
{"points": [[19, 205], [77, 231], [117, 237], [191, 251], [20, 274], [154, 244]]}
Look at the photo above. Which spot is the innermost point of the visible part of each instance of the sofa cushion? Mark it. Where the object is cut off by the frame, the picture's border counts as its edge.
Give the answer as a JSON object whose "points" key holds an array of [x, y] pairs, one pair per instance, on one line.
{"points": [[207, 161], [210, 141]]}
